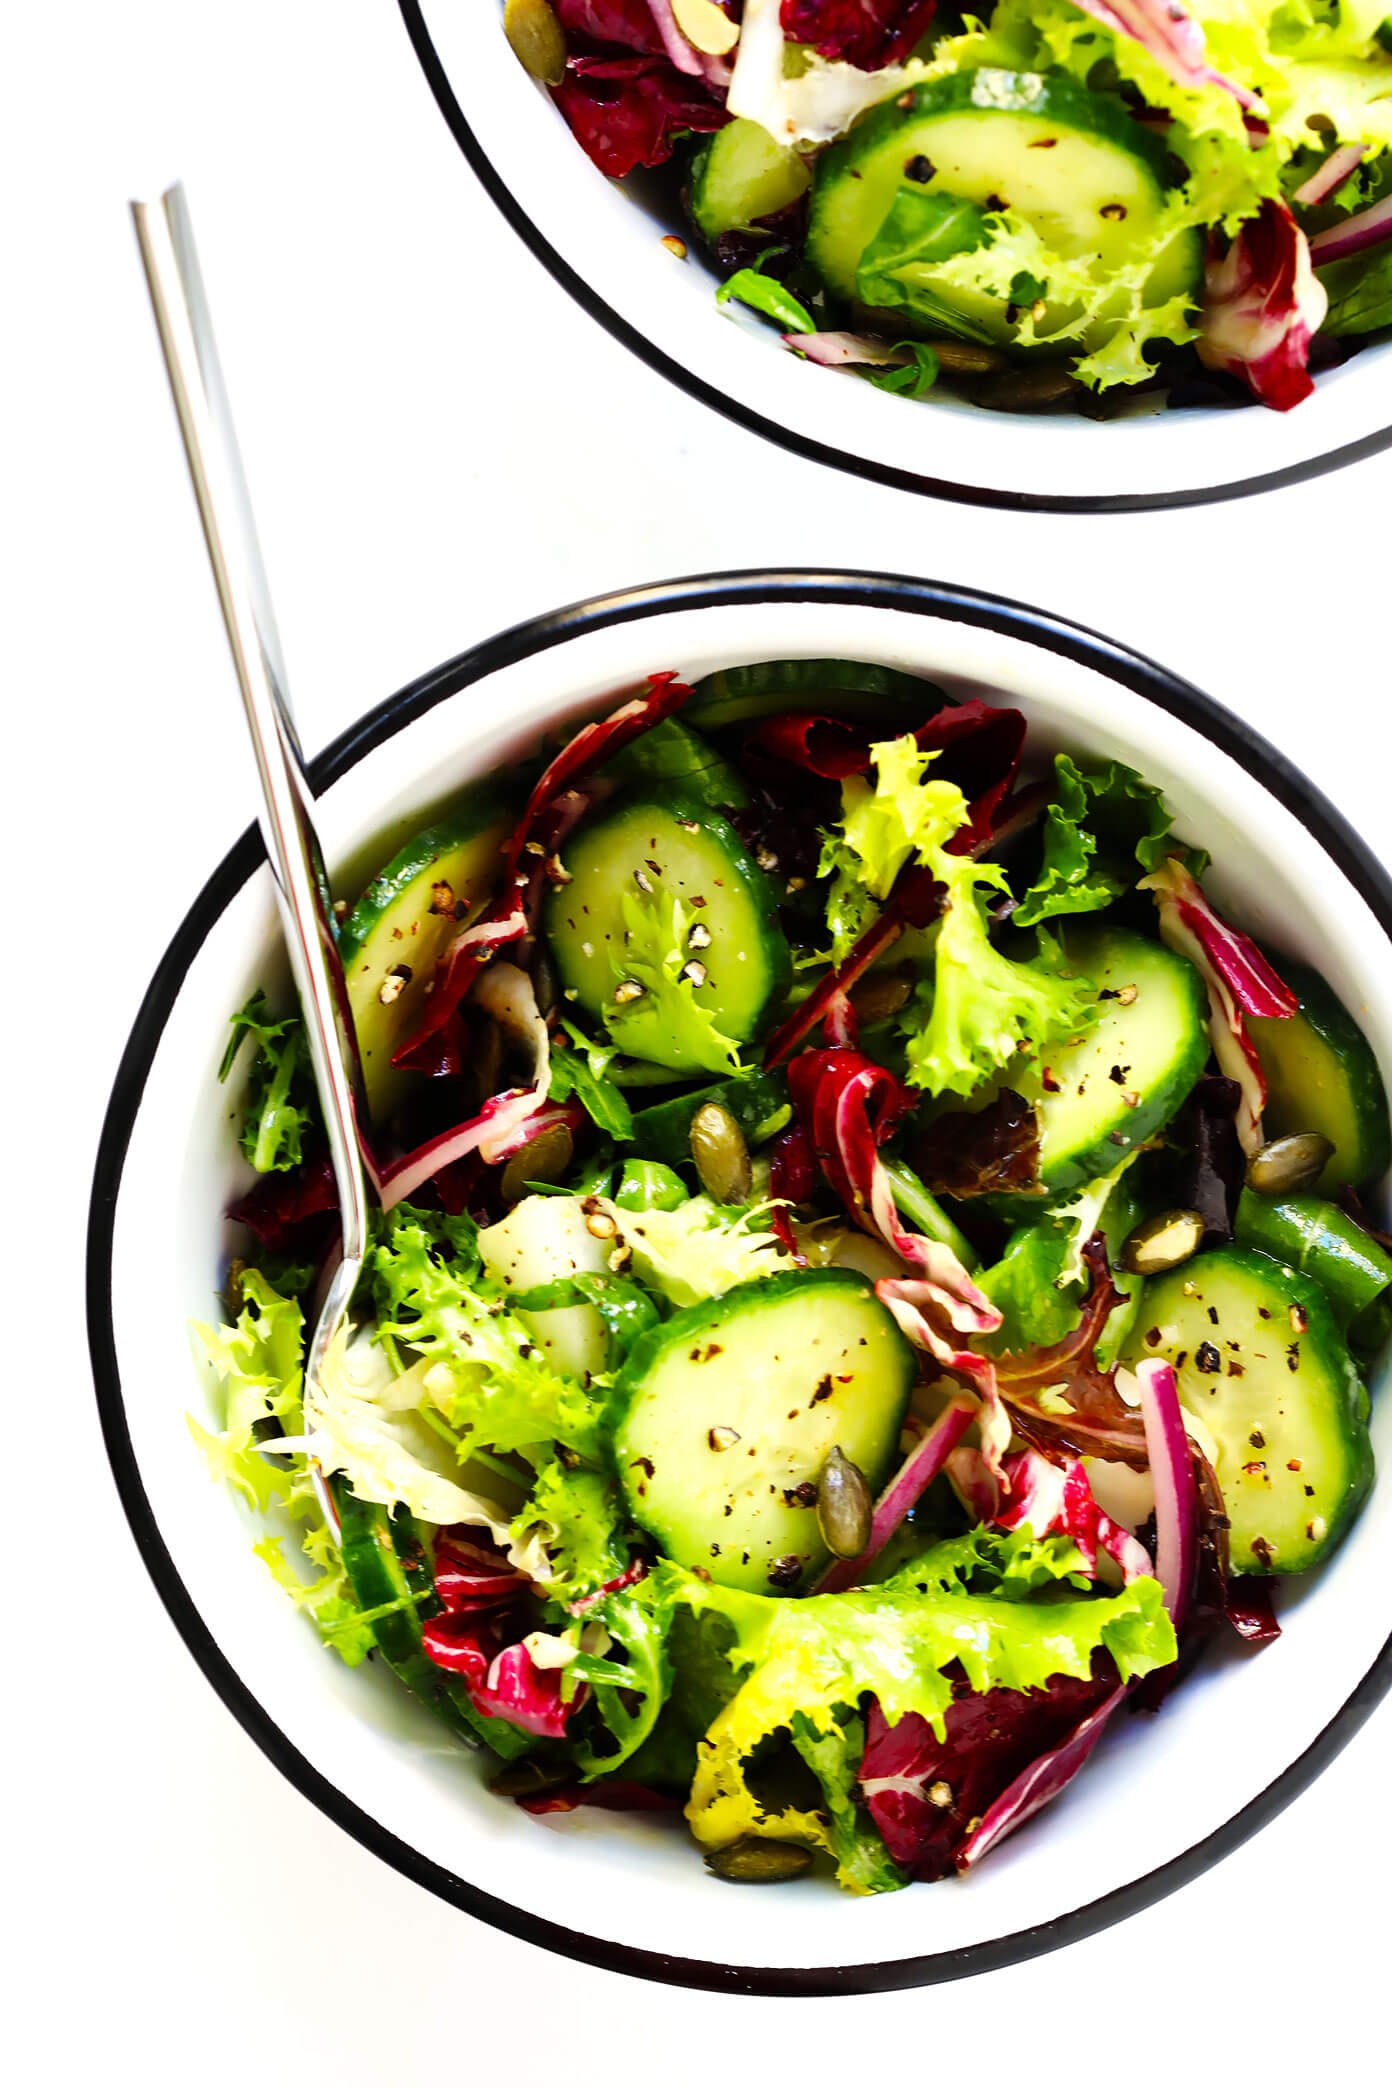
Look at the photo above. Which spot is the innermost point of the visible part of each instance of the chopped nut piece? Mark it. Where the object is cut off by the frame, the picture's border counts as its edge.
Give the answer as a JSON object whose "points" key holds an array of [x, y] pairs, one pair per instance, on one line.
{"points": [[442, 897], [1126, 995], [394, 984], [556, 871], [700, 936], [600, 1225], [940, 1794], [642, 880], [766, 859], [628, 990], [722, 1438], [694, 972], [674, 245]]}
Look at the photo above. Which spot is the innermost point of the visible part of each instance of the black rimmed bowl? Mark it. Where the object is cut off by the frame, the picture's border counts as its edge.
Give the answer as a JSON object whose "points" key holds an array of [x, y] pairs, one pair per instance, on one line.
{"points": [[602, 241], [1165, 1797]]}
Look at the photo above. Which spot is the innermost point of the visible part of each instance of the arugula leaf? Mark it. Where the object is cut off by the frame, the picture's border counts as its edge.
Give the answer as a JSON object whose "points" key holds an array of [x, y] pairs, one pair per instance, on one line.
{"points": [[649, 1185], [916, 377], [624, 1306], [1039, 1281], [280, 1102], [1101, 824], [817, 1659], [765, 294], [670, 1014], [1360, 293], [581, 1074], [921, 229], [863, 1864]]}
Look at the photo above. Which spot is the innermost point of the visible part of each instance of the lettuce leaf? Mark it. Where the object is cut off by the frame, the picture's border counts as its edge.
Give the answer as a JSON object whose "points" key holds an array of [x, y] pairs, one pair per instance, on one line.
{"points": [[884, 822], [279, 1103], [863, 1864], [701, 1249], [669, 1017], [982, 1008], [486, 1376], [257, 1364], [1101, 824], [823, 1655]]}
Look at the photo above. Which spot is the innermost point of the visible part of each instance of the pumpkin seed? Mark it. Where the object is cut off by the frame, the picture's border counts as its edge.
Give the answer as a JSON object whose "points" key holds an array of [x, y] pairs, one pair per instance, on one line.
{"points": [[880, 994], [753, 1860], [544, 1158], [1162, 1242], [844, 1506], [721, 1155], [537, 39], [1284, 1166]]}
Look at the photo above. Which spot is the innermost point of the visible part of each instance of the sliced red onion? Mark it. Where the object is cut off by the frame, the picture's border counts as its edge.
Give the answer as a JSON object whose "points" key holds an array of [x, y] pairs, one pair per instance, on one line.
{"points": [[1368, 228], [629, 1578], [904, 1491], [835, 350], [1334, 172], [1176, 1498], [1035, 1786]]}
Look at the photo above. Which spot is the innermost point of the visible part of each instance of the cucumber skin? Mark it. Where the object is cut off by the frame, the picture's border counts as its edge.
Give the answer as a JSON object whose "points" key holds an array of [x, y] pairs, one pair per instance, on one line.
{"points": [[1336, 1029], [1321, 1242], [477, 810], [670, 753], [830, 688], [663, 1131], [384, 1558], [695, 1322], [1323, 1330], [708, 172]]}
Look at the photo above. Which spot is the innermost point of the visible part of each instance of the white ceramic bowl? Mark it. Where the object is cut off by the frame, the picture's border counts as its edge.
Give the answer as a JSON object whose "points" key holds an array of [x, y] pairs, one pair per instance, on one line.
{"points": [[1164, 1797], [602, 241]]}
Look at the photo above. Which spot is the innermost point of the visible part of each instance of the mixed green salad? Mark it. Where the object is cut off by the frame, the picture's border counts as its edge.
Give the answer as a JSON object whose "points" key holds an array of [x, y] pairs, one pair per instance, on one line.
{"points": [[1056, 203], [869, 1273]]}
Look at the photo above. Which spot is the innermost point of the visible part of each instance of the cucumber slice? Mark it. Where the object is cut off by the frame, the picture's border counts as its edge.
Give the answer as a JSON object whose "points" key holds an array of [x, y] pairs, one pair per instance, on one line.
{"points": [[672, 755], [385, 1560], [656, 853], [1321, 1075], [663, 1132], [743, 174], [832, 688], [726, 1414], [545, 1240], [1352, 1269], [1070, 163], [435, 883], [1266, 1373], [1122, 1080]]}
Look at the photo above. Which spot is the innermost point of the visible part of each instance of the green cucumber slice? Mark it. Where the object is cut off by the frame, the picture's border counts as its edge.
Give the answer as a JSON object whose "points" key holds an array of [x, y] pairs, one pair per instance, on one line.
{"points": [[727, 1412], [670, 755], [743, 174], [1070, 163], [1266, 1373], [833, 688], [385, 1559], [1100, 1095], [1321, 1075], [656, 855], [434, 884], [1352, 1268]]}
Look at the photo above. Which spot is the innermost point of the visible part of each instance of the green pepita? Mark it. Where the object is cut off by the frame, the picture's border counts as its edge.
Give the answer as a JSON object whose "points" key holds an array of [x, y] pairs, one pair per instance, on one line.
{"points": [[544, 1158], [1285, 1166], [752, 1860], [844, 1506], [537, 39], [1162, 1242], [721, 1155]]}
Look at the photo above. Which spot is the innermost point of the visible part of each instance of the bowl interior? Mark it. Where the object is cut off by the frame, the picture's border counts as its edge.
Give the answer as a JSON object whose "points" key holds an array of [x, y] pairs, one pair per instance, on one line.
{"points": [[1158, 1788], [607, 238]]}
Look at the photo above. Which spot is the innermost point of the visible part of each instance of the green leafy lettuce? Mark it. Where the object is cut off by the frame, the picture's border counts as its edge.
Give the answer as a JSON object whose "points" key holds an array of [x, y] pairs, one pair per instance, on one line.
{"points": [[279, 1103], [816, 1660], [700, 1249], [1039, 1281], [582, 1073], [833, 1754], [1101, 824], [672, 1020], [256, 1363]]}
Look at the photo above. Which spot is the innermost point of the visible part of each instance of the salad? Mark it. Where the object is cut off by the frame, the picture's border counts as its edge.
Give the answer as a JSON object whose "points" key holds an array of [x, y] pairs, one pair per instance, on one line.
{"points": [[1063, 203], [869, 1276]]}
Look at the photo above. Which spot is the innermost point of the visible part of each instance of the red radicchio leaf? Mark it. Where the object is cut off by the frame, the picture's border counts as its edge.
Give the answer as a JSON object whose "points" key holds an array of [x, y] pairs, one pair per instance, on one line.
{"points": [[1172, 37], [1042, 1780], [634, 1572], [1240, 983], [867, 33], [1056, 1500], [962, 1153], [917, 899], [502, 1682], [1263, 305], [278, 1205], [472, 1577], [630, 112], [551, 810], [830, 747], [614, 1794], [1249, 1607], [923, 1792], [1213, 1165], [628, 24]]}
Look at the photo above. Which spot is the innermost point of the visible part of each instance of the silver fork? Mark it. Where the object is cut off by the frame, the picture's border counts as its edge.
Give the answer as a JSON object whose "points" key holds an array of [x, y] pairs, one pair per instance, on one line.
{"points": [[286, 817]]}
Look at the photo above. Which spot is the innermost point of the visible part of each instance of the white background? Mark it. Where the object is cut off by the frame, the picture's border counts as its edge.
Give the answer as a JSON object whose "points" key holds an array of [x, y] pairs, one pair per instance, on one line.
{"points": [[439, 444]]}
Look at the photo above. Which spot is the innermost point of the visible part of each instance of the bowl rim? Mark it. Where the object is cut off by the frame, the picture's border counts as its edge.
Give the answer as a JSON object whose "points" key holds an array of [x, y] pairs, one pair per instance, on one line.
{"points": [[859, 466], [937, 602]]}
